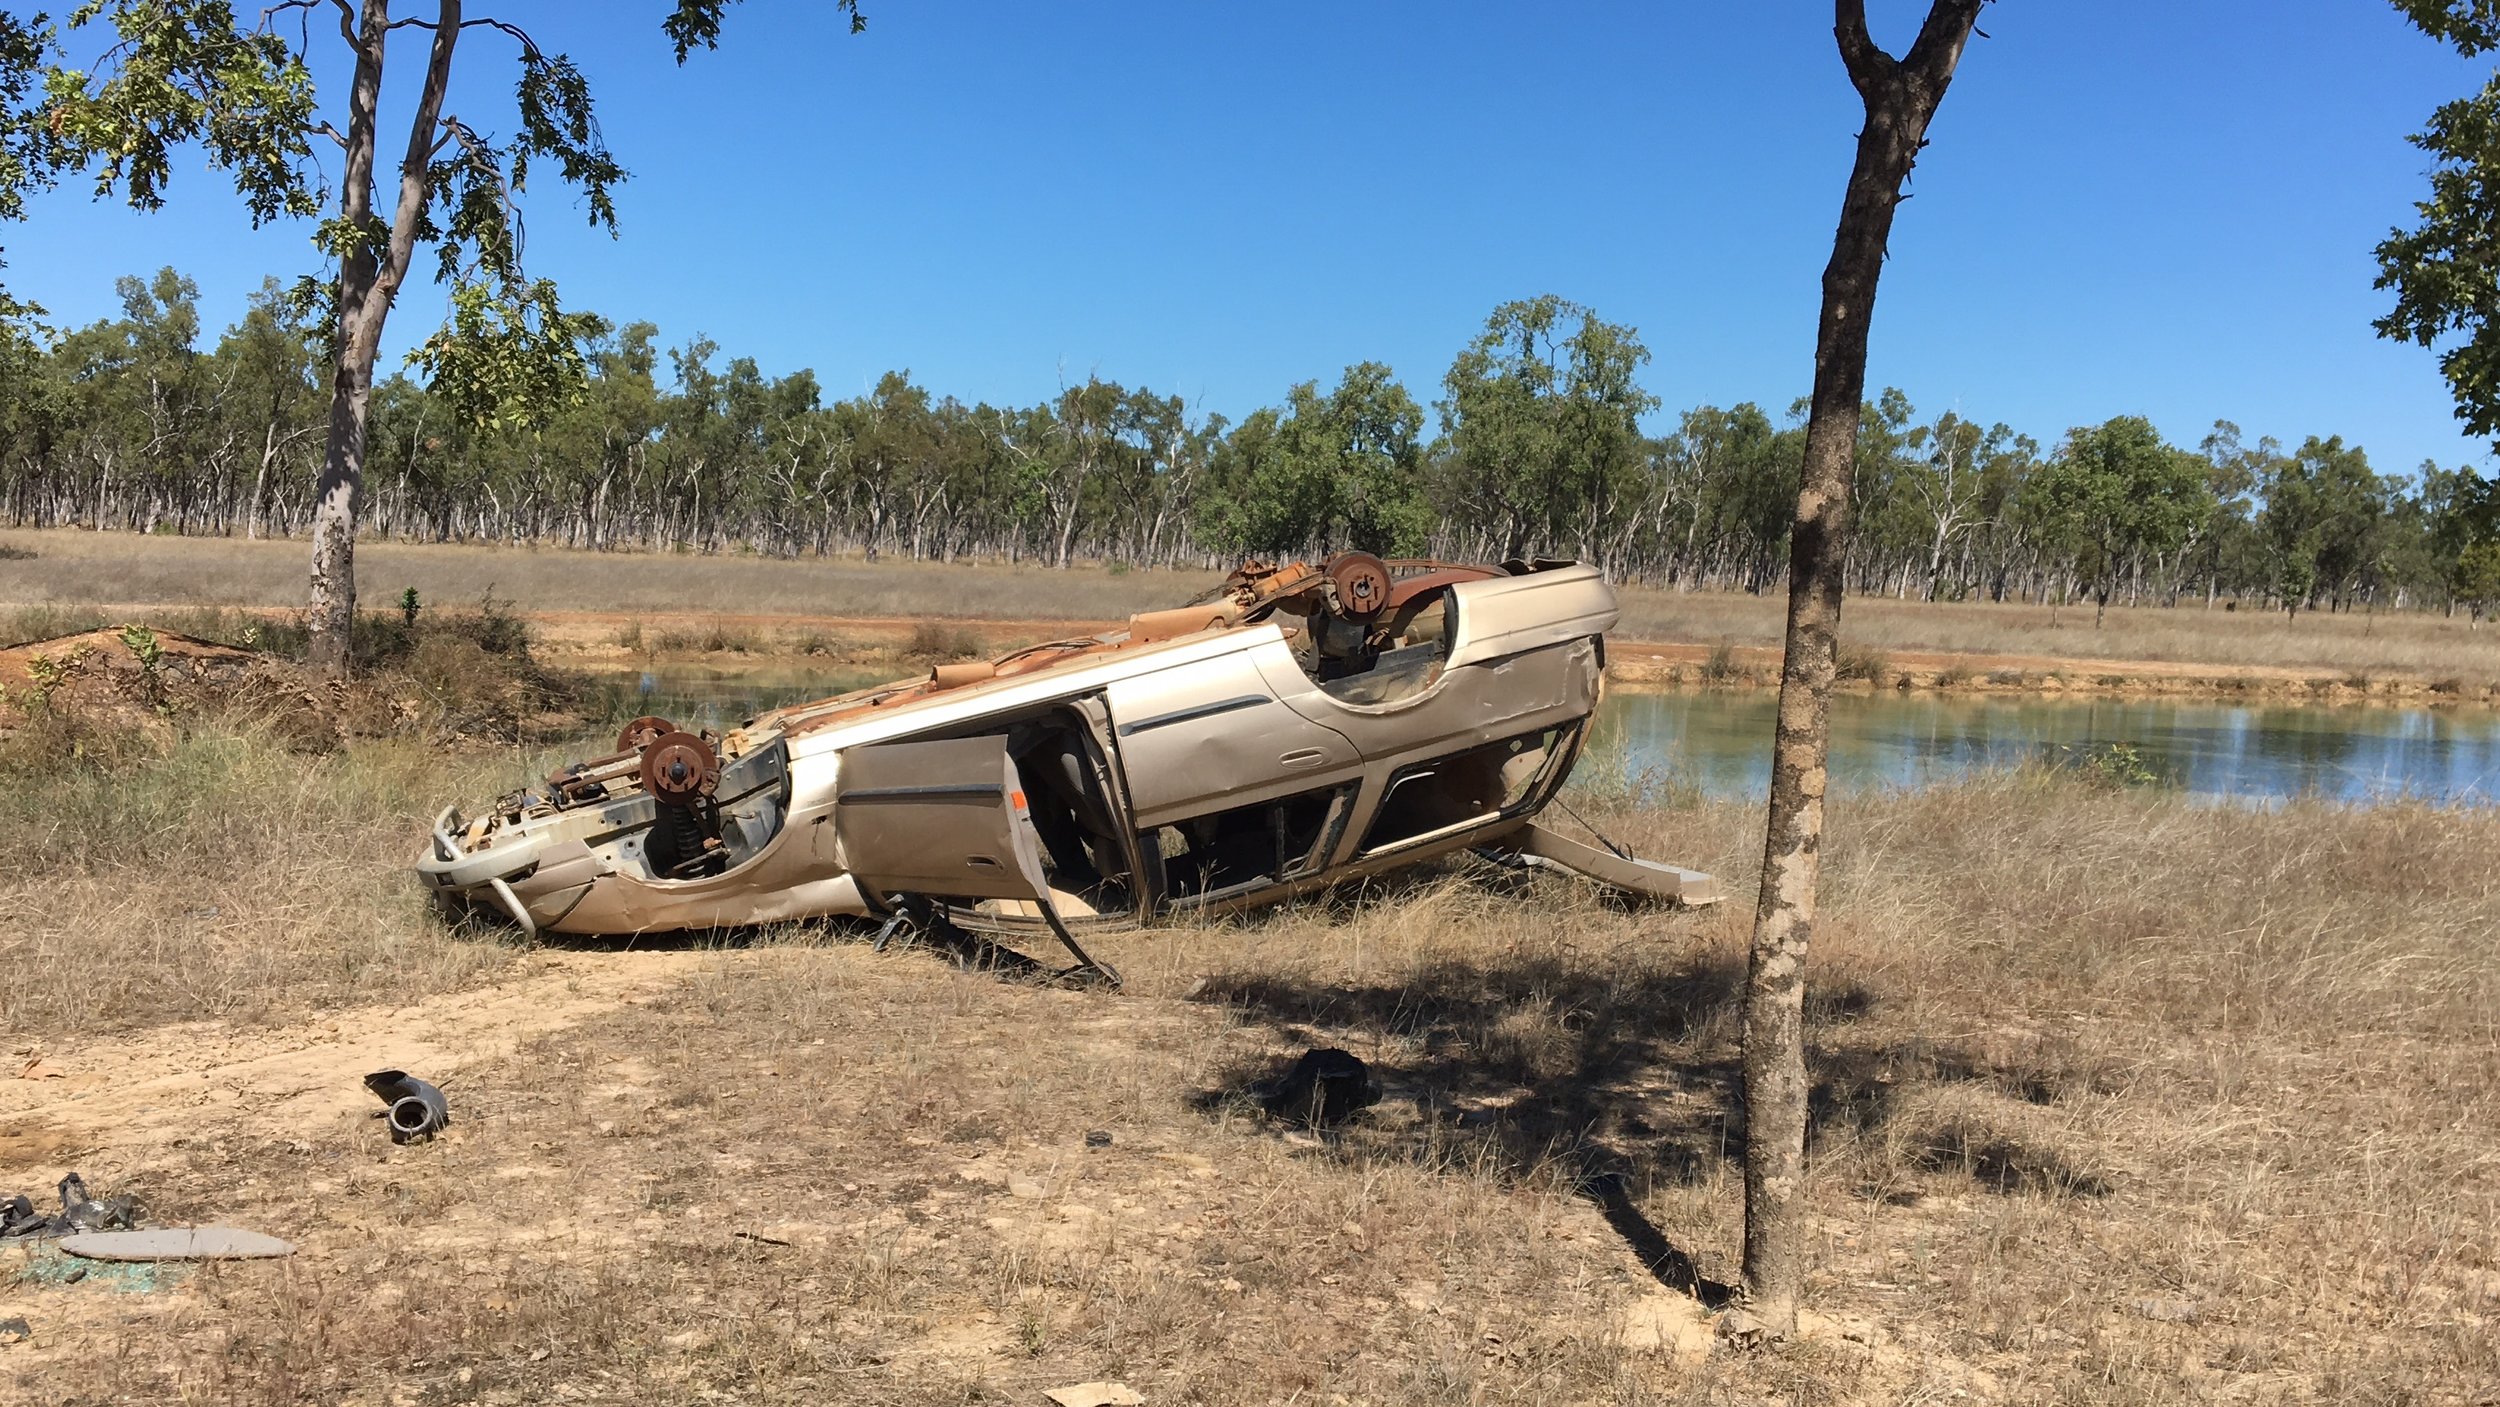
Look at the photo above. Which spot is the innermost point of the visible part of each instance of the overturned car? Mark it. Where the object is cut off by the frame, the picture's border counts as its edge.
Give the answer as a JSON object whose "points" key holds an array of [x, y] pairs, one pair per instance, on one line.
{"points": [[1298, 727]]}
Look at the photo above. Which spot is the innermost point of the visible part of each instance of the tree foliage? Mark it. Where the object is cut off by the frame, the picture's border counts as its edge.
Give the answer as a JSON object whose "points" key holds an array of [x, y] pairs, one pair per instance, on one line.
{"points": [[2444, 270], [150, 419]]}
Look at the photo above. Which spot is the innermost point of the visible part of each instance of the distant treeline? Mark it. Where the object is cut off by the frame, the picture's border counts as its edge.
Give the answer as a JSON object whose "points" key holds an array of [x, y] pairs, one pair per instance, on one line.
{"points": [[134, 423]]}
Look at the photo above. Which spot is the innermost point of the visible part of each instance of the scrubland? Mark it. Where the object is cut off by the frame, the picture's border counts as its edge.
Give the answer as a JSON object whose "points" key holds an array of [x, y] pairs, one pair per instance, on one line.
{"points": [[2119, 1099], [645, 603]]}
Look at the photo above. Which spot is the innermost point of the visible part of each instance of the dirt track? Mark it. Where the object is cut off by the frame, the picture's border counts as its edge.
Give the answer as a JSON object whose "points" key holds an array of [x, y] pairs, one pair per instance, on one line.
{"points": [[93, 1104]]}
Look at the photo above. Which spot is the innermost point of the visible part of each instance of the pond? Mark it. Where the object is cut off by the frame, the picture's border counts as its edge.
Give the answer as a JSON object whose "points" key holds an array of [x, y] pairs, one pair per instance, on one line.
{"points": [[1719, 742]]}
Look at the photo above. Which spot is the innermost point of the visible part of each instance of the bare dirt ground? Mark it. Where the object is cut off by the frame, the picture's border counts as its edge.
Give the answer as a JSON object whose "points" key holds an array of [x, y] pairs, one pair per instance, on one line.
{"points": [[98, 1101]]}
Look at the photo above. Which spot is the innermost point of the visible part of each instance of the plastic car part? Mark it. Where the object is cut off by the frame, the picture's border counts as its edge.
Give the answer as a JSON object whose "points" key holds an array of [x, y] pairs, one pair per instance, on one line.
{"points": [[416, 1109]]}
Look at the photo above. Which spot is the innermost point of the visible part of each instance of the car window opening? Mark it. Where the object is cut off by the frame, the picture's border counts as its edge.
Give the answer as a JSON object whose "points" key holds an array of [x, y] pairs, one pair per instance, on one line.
{"points": [[1268, 842], [1394, 658], [1464, 788], [1072, 810]]}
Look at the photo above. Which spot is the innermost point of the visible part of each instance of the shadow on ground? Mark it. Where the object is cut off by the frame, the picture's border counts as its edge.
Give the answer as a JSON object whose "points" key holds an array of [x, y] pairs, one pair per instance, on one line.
{"points": [[1620, 1077]]}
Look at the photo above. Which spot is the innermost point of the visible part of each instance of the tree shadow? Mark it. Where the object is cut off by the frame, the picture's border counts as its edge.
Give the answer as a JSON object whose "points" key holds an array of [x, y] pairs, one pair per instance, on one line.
{"points": [[1615, 1077]]}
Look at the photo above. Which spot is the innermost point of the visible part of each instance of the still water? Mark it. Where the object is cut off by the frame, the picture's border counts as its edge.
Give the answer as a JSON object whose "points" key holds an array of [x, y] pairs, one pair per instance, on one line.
{"points": [[1719, 743]]}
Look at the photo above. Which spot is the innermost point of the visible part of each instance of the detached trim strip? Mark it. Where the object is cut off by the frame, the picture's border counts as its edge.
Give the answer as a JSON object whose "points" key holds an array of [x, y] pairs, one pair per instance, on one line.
{"points": [[1186, 715]]}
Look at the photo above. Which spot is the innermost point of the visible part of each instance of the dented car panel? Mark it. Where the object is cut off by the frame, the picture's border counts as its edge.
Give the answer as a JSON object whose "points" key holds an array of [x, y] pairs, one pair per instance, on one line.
{"points": [[1303, 726]]}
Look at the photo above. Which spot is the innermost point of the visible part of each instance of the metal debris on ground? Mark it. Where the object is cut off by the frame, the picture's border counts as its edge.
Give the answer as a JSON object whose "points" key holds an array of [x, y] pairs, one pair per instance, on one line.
{"points": [[79, 1212], [177, 1243], [1321, 1087], [1096, 1395], [416, 1109]]}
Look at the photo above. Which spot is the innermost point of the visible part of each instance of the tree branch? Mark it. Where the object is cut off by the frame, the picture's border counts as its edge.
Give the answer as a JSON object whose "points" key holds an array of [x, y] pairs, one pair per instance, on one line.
{"points": [[1941, 39], [529, 46], [413, 187], [1867, 62]]}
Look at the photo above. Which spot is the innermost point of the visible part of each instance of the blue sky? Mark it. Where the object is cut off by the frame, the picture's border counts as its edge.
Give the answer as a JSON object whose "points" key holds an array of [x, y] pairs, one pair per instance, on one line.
{"points": [[2159, 207]]}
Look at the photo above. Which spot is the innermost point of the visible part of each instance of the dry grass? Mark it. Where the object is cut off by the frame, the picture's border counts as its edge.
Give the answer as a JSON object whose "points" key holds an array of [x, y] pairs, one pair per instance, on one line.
{"points": [[69, 573], [230, 878], [72, 568], [2419, 643], [2119, 1100]]}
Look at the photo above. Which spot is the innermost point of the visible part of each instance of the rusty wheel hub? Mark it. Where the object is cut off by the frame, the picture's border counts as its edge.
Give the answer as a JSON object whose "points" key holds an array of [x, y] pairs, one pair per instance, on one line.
{"points": [[1362, 583], [679, 769], [646, 729]]}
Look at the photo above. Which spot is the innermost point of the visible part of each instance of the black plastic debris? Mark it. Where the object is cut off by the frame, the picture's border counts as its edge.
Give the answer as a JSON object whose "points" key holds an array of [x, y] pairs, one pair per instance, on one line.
{"points": [[416, 1109], [79, 1212], [1321, 1087]]}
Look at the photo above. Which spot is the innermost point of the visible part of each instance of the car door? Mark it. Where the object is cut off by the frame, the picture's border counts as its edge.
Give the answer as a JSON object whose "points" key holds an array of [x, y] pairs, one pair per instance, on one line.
{"points": [[1213, 732], [941, 820]]}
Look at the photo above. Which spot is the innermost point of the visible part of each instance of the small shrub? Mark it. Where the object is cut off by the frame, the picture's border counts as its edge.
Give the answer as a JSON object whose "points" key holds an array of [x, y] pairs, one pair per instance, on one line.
{"points": [[11, 552], [712, 638], [409, 604], [2007, 678], [812, 642], [2357, 679], [629, 636], [2452, 684], [1721, 666], [2112, 766], [493, 625], [1955, 675], [936, 640], [1860, 662]]}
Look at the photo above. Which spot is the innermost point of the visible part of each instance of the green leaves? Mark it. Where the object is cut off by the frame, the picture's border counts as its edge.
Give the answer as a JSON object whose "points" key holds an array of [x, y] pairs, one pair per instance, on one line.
{"points": [[1543, 411], [557, 122], [510, 357], [695, 24], [2473, 26], [182, 71], [2446, 269], [1343, 470]]}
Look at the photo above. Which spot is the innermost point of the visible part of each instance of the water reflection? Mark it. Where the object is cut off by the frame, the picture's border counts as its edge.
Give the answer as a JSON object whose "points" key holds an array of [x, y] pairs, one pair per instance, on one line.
{"points": [[1720, 743], [692, 696]]}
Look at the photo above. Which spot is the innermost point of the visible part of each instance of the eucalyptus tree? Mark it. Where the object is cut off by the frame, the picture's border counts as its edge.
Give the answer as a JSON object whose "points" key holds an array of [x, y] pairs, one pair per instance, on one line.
{"points": [[1344, 469], [1543, 411], [2446, 283], [273, 390], [1900, 97], [195, 72], [2121, 498], [1944, 483]]}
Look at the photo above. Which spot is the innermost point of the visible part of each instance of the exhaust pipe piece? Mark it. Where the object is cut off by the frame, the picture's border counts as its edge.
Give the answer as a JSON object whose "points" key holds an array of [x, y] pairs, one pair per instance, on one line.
{"points": [[416, 1109]]}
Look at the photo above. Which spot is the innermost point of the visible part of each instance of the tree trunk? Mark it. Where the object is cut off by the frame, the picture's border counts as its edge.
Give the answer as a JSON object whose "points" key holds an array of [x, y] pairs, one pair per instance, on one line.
{"points": [[369, 277], [1900, 98]]}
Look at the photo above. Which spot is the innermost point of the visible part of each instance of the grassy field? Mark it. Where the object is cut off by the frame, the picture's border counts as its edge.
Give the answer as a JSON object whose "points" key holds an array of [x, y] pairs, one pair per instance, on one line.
{"points": [[2119, 1100], [787, 606]]}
